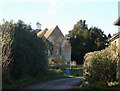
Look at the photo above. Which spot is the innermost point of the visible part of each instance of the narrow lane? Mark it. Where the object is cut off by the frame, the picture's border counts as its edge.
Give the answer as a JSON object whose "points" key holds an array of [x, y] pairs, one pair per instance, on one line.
{"points": [[65, 83]]}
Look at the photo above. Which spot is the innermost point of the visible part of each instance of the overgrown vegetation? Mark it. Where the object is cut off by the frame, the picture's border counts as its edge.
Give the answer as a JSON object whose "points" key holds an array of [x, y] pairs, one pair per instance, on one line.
{"points": [[23, 53], [100, 68]]}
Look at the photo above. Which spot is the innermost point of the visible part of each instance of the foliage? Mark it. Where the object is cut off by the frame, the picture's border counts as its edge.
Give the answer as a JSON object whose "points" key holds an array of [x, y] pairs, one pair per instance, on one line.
{"points": [[84, 40], [23, 53], [101, 65], [113, 83]]}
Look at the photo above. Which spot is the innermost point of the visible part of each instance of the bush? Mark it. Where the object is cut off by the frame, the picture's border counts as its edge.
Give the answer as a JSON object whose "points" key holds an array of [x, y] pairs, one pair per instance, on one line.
{"points": [[23, 53], [101, 65]]}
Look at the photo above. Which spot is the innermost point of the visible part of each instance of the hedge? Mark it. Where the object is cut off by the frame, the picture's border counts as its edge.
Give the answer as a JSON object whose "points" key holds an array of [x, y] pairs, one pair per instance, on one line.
{"points": [[101, 65], [23, 53]]}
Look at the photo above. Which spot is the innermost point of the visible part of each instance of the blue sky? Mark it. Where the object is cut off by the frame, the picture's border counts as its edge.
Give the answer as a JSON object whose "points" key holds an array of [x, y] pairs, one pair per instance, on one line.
{"points": [[65, 14]]}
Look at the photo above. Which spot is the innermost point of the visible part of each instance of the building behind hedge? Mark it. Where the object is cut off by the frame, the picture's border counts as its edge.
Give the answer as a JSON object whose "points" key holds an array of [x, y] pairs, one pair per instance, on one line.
{"points": [[115, 40]]}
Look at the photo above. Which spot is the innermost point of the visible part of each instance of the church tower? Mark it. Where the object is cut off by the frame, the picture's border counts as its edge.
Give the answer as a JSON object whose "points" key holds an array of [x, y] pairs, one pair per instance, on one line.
{"points": [[38, 27]]}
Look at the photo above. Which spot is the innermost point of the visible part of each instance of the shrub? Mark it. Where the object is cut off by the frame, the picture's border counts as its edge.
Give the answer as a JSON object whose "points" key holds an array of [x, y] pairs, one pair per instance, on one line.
{"points": [[100, 65]]}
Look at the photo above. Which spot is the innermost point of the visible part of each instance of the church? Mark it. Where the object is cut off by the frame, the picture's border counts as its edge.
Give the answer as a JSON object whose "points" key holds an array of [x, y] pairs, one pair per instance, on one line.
{"points": [[59, 48]]}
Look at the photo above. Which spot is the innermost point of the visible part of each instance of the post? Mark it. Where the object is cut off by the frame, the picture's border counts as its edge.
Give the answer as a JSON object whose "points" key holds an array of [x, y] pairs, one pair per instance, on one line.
{"points": [[0, 61], [119, 66]]}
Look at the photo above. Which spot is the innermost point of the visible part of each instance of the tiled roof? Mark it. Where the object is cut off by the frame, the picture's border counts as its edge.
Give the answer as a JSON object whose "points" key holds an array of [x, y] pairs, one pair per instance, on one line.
{"points": [[40, 33], [115, 36], [46, 33]]}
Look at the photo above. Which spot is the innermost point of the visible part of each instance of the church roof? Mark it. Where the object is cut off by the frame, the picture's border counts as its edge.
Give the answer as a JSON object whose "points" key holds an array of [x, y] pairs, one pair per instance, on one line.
{"points": [[40, 33], [46, 33]]}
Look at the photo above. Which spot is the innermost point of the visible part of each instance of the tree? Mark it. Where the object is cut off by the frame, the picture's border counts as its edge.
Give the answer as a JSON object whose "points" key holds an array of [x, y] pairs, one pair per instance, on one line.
{"points": [[85, 40], [98, 39], [23, 53]]}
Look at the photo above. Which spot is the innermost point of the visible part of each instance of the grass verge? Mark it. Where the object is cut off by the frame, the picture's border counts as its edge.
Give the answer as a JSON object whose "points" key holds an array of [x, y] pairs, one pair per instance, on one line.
{"points": [[21, 83]]}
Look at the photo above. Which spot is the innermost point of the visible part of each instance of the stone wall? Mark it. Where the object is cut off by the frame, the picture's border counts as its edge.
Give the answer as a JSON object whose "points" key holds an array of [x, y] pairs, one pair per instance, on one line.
{"points": [[61, 48]]}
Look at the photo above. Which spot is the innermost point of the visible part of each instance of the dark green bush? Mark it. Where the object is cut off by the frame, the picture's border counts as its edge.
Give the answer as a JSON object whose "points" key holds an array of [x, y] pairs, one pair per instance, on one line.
{"points": [[23, 53]]}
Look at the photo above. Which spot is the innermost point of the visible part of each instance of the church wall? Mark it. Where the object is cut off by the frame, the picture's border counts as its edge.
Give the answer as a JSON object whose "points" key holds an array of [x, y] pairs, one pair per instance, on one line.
{"points": [[61, 49]]}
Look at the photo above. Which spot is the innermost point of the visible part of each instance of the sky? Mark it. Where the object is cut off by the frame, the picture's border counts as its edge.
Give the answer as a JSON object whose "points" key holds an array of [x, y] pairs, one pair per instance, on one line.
{"points": [[64, 13]]}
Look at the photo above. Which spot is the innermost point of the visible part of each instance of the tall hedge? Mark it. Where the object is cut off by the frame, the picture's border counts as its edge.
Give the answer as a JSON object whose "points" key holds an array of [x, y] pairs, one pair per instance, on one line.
{"points": [[23, 53], [101, 65]]}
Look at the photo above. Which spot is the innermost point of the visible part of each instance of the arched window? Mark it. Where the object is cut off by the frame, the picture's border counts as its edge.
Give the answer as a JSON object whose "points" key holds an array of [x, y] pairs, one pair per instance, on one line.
{"points": [[60, 51], [51, 51], [60, 48]]}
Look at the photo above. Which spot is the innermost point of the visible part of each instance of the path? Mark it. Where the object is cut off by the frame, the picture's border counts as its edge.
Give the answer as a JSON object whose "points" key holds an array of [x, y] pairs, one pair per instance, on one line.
{"points": [[65, 83]]}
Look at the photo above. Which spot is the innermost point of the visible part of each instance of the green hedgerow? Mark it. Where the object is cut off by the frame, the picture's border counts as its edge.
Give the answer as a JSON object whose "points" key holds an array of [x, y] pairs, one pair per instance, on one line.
{"points": [[101, 65]]}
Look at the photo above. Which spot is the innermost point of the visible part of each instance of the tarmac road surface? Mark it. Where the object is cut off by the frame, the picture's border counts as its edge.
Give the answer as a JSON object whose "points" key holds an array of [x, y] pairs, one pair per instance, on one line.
{"points": [[65, 83]]}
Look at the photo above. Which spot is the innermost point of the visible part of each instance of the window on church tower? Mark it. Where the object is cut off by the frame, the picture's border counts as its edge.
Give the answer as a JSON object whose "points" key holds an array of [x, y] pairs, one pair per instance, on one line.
{"points": [[60, 51], [51, 51]]}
